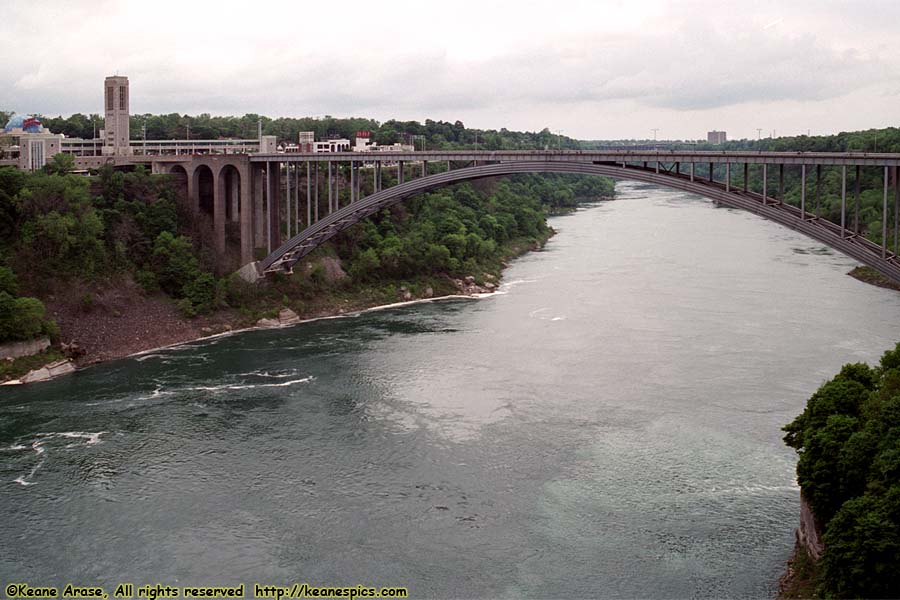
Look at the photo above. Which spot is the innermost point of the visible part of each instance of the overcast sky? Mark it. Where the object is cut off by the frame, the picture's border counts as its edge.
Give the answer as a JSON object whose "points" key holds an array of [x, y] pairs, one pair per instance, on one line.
{"points": [[592, 69]]}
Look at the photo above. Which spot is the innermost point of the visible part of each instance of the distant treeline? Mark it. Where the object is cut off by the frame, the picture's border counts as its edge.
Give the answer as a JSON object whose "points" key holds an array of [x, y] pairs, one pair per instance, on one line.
{"points": [[434, 135]]}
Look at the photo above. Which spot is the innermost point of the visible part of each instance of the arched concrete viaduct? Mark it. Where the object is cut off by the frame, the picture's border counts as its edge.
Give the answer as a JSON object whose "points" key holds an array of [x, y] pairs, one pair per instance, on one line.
{"points": [[830, 234], [221, 186]]}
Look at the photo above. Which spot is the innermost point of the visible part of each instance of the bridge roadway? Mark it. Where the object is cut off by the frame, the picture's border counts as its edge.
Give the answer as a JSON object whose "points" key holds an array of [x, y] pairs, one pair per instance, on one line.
{"points": [[682, 170], [597, 156]]}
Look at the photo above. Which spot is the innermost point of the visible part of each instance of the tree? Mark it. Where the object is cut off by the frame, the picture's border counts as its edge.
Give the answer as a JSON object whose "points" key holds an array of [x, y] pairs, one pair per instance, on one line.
{"points": [[848, 439], [174, 263], [60, 164], [8, 281]]}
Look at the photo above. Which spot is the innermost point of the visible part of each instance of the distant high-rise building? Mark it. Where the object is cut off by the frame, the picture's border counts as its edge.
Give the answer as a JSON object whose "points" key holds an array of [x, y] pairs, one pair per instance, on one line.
{"points": [[716, 137], [116, 131]]}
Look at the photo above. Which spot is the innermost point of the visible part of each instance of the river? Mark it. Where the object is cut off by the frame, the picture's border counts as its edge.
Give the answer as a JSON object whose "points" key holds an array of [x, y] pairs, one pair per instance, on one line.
{"points": [[608, 425]]}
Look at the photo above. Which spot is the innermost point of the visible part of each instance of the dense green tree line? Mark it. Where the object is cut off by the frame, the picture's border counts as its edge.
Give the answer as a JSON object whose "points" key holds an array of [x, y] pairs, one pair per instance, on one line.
{"points": [[433, 135], [848, 439], [459, 230]]}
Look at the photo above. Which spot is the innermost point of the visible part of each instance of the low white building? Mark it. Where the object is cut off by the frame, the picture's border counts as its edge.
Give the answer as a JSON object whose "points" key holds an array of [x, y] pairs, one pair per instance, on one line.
{"points": [[336, 145]]}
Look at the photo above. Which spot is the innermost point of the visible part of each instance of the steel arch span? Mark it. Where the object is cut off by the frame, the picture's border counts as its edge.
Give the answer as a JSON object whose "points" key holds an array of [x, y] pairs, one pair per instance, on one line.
{"points": [[284, 257]]}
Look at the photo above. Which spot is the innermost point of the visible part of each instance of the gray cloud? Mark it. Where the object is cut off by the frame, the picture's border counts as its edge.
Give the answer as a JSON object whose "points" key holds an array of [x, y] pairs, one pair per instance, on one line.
{"points": [[693, 57]]}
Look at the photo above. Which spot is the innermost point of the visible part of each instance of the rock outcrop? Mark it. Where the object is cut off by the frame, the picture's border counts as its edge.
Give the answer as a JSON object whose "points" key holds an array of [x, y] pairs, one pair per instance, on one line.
{"points": [[808, 533], [49, 371], [27, 348], [285, 317]]}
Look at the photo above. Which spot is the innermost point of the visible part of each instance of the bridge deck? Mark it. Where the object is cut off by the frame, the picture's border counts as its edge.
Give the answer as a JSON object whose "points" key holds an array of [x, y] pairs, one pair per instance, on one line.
{"points": [[596, 156]]}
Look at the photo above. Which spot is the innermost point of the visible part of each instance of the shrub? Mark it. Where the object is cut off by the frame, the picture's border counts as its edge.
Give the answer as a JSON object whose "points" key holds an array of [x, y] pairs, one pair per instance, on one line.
{"points": [[174, 263], [147, 280], [202, 293], [21, 318], [8, 281]]}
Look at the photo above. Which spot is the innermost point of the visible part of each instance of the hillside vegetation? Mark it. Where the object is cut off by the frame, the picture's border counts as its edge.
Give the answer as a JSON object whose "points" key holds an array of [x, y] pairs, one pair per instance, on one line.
{"points": [[848, 439], [60, 229]]}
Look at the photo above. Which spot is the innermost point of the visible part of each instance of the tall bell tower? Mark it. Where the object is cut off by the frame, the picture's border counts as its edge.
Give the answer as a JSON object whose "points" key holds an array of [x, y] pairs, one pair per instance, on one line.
{"points": [[116, 131]]}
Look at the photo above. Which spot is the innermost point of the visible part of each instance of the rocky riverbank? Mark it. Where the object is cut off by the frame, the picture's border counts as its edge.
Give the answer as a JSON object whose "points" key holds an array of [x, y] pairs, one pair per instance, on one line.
{"points": [[119, 319]]}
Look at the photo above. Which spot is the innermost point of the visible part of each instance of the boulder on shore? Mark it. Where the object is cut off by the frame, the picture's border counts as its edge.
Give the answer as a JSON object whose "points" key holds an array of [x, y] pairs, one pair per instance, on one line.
{"points": [[49, 371], [285, 317], [288, 317]]}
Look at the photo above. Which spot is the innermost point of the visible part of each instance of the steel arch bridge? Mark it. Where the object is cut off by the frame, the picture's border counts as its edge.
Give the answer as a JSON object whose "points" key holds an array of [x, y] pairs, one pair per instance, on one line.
{"points": [[831, 234]]}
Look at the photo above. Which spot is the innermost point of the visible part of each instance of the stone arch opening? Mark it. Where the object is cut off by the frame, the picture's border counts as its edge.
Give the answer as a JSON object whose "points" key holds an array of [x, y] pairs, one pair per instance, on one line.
{"points": [[180, 180], [204, 193], [230, 182]]}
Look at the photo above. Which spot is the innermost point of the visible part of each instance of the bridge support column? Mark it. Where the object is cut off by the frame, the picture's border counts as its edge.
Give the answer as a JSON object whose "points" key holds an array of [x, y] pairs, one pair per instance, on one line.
{"points": [[399, 171], [746, 176], [692, 171], [296, 198], [273, 207], [316, 190], [657, 166], [352, 180], [818, 189], [803, 192], [330, 185], [246, 216], [856, 212], [896, 209], [268, 217], [287, 197], [677, 168], [884, 215], [765, 178], [843, 201], [727, 177], [220, 198], [711, 179], [259, 227], [276, 210], [308, 197], [424, 168], [781, 184], [337, 186]]}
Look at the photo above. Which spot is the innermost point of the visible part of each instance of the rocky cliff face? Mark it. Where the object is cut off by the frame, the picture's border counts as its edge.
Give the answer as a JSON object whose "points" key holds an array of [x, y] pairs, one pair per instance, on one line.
{"points": [[808, 534]]}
